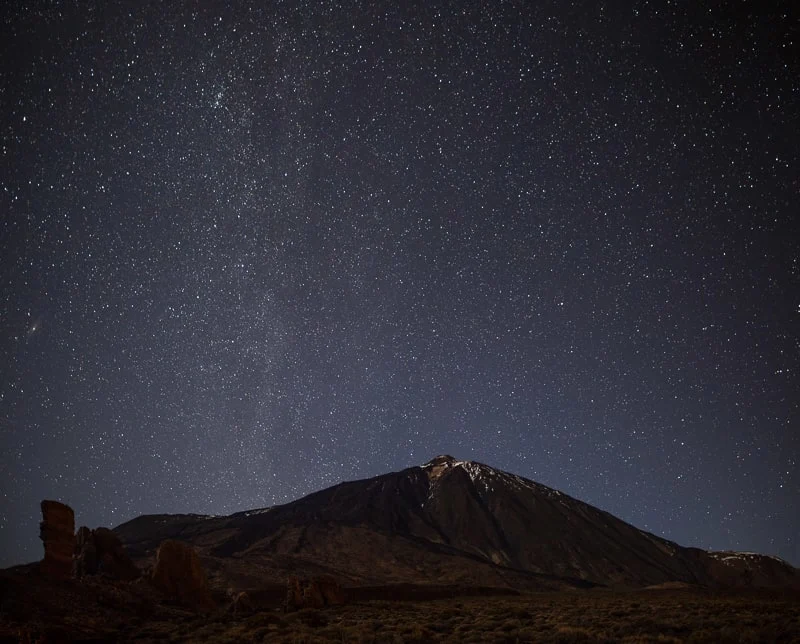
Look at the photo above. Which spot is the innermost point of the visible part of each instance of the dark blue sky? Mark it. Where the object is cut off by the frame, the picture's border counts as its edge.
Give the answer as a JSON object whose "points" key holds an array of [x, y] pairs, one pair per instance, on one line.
{"points": [[248, 251]]}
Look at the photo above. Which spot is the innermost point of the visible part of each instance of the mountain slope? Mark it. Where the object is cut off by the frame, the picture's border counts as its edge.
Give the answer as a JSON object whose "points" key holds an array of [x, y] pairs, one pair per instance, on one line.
{"points": [[453, 521]]}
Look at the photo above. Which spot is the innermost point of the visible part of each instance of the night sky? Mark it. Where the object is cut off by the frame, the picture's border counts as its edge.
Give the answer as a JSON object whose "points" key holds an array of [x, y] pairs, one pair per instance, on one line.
{"points": [[250, 251]]}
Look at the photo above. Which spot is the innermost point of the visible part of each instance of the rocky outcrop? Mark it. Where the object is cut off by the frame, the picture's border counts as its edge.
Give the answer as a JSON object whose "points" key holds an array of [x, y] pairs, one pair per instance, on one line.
{"points": [[89, 552], [179, 574], [241, 604], [101, 551], [57, 532], [316, 592], [85, 561]]}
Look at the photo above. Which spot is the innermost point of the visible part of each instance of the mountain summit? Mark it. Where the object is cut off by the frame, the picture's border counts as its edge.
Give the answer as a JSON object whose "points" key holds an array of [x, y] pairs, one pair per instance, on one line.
{"points": [[454, 522]]}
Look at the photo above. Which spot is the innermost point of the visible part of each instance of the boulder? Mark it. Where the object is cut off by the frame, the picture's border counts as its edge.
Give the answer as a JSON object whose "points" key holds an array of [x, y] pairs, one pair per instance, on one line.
{"points": [[57, 532], [314, 592], [241, 604], [331, 589], [179, 574], [101, 551], [114, 560]]}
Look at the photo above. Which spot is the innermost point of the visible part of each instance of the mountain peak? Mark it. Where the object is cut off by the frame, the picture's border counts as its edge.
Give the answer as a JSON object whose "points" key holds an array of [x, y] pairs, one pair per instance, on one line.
{"points": [[442, 459], [439, 465]]}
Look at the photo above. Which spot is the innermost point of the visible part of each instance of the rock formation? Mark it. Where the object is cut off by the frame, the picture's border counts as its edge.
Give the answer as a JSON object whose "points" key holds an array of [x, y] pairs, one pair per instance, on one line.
{"points": [[57, 531], [101, 551], [241, 604], [85, 561], [179, 574], [315, 592], [294, 595]]}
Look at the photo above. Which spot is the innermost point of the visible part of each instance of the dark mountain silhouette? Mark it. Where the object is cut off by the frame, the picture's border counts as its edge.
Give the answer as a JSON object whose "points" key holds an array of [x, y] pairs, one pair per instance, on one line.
{"points": [[447, 522]]}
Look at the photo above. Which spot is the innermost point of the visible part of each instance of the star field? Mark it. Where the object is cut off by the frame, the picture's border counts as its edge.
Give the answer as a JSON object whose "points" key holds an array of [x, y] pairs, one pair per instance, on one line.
{"points": [[251, 251]]}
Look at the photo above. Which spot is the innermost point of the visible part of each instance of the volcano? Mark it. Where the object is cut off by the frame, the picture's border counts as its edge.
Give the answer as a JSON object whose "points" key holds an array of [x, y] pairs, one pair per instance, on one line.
{"points": [[447, 522]]}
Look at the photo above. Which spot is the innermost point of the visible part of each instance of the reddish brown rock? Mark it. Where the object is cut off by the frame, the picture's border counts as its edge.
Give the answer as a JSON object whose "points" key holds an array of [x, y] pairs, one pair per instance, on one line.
{"points": [[294, 594], [179, 574], [57, 532], [82, 537], [113, 558], [101, 551], [241, 604], [332, 590], [315, 592], [85, 561]]}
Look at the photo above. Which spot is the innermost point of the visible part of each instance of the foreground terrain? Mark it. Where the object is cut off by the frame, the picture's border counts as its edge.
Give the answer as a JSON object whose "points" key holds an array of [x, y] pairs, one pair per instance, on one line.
{"points": [[33, 609], [648, 616]]}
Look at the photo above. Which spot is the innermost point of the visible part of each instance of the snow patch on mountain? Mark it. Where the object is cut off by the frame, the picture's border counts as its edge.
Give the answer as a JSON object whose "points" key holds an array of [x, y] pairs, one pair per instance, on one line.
{"points": [[731, 557], [483, 473], [486, 476], [250, 513]]}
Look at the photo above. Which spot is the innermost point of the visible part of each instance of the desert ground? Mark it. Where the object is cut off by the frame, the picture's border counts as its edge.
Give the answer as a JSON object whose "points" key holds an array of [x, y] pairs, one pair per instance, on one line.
{"points": [[673, 615], [648, 616]]}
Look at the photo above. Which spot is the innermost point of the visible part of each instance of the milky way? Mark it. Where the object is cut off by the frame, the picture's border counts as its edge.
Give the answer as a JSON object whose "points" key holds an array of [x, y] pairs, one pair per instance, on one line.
{"points": [[250, 252]]}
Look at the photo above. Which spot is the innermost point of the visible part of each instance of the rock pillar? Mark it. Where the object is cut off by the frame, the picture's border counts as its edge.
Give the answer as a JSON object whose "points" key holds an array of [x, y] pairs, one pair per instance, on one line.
{"points": [[57, 532]]}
